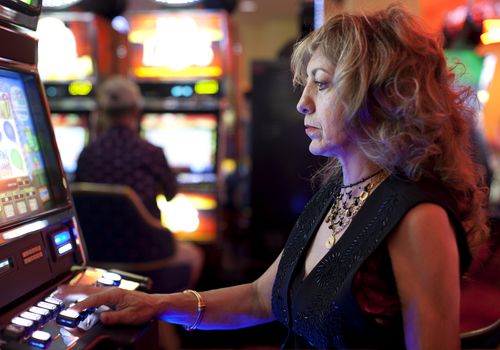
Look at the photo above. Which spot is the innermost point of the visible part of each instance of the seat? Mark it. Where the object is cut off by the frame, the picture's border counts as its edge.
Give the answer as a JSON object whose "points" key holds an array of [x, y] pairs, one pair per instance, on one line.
{"points": [[121, 234]]}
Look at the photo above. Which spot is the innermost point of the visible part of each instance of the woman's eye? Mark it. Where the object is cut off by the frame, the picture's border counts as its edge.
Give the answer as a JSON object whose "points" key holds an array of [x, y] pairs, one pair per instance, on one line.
{"points": [[321, 85]]}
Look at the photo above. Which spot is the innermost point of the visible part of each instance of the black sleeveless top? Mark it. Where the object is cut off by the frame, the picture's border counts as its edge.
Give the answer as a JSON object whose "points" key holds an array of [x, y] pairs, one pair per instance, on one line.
{"points": [[321, 311]]}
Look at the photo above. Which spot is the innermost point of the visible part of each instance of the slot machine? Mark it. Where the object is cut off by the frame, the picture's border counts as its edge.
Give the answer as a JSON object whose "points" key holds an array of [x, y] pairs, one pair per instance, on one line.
{"points": [[180, 59], [75, 50], [41, 246]]}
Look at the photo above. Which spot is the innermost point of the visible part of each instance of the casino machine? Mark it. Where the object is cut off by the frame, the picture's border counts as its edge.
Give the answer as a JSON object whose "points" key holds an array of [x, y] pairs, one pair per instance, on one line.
{"points": [[180, 61], [71, 60], [40, 242]]}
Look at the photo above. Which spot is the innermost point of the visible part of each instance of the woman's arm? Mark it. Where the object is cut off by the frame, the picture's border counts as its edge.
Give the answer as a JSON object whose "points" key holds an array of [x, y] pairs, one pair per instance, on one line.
{"points": [[226, 308], [425, 261]]}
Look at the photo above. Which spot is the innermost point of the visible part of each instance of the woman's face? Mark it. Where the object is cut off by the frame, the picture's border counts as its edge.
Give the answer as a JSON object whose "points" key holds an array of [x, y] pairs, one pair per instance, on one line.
{"points": [[317, 104]]}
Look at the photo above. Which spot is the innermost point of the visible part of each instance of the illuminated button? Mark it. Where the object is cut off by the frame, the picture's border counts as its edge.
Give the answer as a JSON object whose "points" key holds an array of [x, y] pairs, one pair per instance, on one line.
{"points": [[48, 306], [116, 278], [40, 339], [23, 322], [105, 282], [14, 331], [62, 238], [36, 318], [68, 318], [57, 302], [40, 311]]}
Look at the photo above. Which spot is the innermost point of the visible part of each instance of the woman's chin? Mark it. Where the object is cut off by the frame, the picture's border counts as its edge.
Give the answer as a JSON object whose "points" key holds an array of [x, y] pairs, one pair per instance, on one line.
{"points": [[315, 150]]}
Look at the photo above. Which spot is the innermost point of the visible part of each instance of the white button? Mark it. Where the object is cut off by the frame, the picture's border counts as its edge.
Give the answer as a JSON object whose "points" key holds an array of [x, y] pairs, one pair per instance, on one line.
{"points": [[69, 313], [22, 322], [48, 306], [41, 335], [31, 316], [112, 276], [39, 311]]}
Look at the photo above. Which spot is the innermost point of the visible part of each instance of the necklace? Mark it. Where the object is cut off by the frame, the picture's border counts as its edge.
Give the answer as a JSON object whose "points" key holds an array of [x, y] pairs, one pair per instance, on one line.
{"points": [[363, 179], [348, 202]]}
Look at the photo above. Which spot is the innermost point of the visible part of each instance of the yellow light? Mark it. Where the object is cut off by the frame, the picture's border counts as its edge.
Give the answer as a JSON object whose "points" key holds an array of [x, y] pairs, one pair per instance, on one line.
{"points": [[228, 166], [179, 214], [80, 88], [190, 72], [206, 87], [491, 31]]}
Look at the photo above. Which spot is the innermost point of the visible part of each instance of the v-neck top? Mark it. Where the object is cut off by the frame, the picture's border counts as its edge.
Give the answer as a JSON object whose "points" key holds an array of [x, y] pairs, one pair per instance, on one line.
{"points": [[322, 309]]}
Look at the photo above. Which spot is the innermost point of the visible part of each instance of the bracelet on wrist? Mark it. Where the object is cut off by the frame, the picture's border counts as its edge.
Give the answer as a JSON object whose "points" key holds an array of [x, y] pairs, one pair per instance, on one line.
{"points": [[201, 306]]}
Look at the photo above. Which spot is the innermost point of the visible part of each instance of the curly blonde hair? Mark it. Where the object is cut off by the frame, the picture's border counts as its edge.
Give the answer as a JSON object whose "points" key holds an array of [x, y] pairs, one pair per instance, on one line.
{"points": [[400, 103]]}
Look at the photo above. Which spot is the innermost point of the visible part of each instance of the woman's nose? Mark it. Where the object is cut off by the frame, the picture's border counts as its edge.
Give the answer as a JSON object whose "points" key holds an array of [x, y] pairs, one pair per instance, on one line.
{"points": [[304, 105]]}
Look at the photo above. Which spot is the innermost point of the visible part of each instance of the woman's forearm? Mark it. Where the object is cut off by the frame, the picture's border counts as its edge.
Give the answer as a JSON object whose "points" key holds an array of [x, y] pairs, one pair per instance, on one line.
{"points": [[226, 308]]}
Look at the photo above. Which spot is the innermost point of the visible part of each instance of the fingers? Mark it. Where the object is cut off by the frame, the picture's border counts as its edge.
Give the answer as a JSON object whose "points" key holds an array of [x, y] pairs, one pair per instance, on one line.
{"points": [[132, 307], [106, 296]]}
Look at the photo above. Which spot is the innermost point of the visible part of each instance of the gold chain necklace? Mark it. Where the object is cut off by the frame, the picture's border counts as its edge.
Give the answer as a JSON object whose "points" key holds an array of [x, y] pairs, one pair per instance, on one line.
{"points": [[347, 204]]}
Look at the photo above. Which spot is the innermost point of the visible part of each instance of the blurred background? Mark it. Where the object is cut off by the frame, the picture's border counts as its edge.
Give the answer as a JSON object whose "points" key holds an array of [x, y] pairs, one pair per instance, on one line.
{"points": [[219, 100]]}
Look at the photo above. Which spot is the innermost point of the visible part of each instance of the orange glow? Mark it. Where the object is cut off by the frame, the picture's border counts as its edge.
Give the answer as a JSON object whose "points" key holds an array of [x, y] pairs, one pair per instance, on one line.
{"points": [[433, 11]]}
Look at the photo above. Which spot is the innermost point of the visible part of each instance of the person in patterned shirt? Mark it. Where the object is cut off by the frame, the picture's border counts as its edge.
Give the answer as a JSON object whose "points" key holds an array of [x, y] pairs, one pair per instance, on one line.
{"points": [[120, 155]]}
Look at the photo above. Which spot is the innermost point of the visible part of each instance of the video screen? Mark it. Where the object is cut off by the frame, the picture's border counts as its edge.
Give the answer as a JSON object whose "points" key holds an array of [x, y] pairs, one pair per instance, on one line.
{"points": [[188, 140], [178, 45], [65, 48], [24, 185], [71, 131]]}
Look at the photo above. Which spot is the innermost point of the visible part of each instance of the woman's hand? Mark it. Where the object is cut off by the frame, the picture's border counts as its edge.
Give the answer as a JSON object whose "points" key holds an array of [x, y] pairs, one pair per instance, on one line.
{"points": [[127, 307]]}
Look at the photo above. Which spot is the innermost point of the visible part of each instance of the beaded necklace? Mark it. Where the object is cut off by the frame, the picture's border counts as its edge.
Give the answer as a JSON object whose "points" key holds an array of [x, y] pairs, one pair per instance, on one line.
{"points": [[347, 204]]}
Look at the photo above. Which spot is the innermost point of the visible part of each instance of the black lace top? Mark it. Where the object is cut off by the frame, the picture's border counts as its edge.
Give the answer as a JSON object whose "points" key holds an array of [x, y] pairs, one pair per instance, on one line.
{"points": [[320, 310]]}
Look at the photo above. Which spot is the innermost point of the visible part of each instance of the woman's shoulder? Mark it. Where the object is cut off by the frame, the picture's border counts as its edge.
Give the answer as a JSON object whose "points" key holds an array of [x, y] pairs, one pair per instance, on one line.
{"points": [[421, 190]]}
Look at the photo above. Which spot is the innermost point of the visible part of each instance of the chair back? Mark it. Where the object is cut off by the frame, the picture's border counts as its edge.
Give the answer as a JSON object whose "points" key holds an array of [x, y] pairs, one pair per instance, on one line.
{"points": [[120, 233], [117, 226]]}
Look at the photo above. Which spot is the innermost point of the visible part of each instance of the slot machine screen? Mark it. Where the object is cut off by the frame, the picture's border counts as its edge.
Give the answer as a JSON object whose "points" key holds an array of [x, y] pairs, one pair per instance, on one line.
{"points": [[159, 50], [72, 136], [65, 51], [30, 177], [189, 141]]}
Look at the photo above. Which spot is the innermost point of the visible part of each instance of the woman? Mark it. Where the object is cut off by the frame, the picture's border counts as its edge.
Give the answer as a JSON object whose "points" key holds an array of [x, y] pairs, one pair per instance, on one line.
{"points": [[375, 259]]}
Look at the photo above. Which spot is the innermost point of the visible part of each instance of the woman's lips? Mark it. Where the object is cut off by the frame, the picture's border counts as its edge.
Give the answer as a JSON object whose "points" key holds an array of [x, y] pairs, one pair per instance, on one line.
{"points": [[311, 131]]}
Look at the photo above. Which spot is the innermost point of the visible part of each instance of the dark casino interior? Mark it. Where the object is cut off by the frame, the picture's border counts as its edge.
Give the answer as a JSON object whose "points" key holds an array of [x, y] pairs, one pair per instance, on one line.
{"points": [[218, 99]]}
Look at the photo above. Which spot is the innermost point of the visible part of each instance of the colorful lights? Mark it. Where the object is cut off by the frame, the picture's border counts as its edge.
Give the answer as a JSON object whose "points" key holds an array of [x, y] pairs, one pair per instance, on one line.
{"points": [[179, 214], [177, 46], [206, 87], [58, 54], [62, 238], [181, 91], [80, 88], [491, 31]]}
